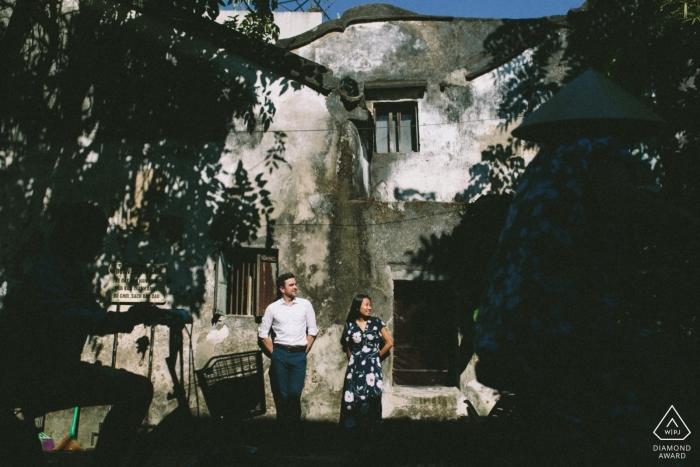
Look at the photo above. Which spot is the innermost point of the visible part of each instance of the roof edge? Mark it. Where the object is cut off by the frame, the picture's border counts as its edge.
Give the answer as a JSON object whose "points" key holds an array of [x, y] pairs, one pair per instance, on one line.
{"points": [[270, 56], [370, 13], [383, 12]]}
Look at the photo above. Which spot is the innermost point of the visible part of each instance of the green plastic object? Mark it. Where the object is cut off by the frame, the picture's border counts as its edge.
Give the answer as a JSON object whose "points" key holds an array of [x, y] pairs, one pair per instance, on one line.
{"points": [[74, 425]]}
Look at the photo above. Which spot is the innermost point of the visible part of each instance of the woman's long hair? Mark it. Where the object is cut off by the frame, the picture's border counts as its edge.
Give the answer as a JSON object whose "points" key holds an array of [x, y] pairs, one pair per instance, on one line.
{"points": [[355, 307]]}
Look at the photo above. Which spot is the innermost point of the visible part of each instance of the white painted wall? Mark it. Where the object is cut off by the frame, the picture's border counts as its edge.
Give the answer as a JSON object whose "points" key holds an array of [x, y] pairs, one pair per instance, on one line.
{"points": [[458, 119]]}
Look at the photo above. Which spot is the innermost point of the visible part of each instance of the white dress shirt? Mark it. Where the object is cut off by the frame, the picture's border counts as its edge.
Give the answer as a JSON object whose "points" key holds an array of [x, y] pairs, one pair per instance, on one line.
{"points": [[290, 323]]}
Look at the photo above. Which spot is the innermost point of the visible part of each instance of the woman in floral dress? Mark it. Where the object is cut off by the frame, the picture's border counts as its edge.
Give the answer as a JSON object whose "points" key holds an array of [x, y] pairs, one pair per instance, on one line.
{"points": [[365, 340]]}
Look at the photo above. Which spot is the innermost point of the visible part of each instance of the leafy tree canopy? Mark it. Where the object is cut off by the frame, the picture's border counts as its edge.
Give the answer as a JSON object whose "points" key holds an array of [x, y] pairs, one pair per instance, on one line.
{"points": [[258, 23], [650, 48], [113, 103]]}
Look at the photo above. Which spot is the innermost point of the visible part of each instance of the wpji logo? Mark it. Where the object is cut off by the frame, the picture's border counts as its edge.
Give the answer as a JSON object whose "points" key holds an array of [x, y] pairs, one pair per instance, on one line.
{"points": [[672, 427]]}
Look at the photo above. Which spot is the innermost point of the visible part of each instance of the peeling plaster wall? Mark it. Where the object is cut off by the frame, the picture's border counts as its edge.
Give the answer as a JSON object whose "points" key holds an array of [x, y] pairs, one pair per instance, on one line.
{"points": [[337, 248], [302, 194], [299, 190], [336, 240], [458, 118], [302, 191], [411, 194]]}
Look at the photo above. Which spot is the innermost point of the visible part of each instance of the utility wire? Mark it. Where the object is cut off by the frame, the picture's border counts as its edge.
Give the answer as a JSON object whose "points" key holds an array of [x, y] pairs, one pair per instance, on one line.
{"points": [[373, 128], [373, 224]]}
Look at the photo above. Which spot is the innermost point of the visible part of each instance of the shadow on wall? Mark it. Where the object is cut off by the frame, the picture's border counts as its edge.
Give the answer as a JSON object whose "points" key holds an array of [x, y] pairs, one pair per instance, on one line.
{"points": [[497, 173], [130, 114], [462, 256], [412, 195]]}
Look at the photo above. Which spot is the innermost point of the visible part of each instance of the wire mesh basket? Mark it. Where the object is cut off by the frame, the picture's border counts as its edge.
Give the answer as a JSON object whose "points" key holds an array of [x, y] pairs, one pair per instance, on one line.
{"points": [[233, 385]]}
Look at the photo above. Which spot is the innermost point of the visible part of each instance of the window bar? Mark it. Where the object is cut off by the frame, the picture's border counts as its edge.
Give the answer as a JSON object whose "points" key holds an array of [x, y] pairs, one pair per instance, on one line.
{"points": [[244, 287], [217, 274], [392, 132], [239, 297], [415, 129], [246, 295], [258, 284], [374, 140], [398, 132], [233, 298], [239, 289], [250, 288], [256, 288], [249, 309], [224, 297], [226, 273]]}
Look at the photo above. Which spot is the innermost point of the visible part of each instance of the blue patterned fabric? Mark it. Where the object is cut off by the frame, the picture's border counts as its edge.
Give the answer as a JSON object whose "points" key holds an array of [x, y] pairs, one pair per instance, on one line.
{"points": [[361, 407]]}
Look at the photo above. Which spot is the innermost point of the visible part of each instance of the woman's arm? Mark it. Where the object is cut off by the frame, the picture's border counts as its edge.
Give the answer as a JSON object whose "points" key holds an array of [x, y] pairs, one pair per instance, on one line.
{"points": [[388, 343], [345, 340]]}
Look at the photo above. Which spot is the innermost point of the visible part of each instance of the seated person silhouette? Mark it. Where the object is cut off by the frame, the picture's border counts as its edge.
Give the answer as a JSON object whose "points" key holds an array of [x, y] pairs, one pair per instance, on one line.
{"points": [[44, 324]]}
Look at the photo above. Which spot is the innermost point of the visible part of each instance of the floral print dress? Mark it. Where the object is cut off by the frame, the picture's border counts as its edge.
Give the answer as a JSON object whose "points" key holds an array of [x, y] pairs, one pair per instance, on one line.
{"points": [[362, 391]]}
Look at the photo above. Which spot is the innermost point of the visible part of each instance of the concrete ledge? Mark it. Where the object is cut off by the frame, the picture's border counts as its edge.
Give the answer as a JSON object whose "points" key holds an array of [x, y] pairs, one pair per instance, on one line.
{"points": [[423, 403]]}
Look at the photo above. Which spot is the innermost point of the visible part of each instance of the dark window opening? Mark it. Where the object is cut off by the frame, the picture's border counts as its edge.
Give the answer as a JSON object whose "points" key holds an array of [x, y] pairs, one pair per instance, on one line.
{"points": [[245, 281], [425, 334], [396, 127]]}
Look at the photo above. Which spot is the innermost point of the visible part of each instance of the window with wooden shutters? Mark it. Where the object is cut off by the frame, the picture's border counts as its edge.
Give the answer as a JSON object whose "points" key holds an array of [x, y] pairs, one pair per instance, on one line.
{"points": [[245, 281], [396, 127]]}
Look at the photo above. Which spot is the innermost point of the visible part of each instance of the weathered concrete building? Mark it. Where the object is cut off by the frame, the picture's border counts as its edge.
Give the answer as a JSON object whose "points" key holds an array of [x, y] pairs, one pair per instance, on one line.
{"points": [[366, 133]]}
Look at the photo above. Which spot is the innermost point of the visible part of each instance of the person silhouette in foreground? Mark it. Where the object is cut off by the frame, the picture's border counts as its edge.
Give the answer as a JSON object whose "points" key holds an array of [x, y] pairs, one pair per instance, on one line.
{"points": [[561, 324], [44, 325]]}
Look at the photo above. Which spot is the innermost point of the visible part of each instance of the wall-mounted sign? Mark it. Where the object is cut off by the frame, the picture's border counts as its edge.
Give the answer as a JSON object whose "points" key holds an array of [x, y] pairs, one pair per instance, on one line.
{"points": [[137, 283]]}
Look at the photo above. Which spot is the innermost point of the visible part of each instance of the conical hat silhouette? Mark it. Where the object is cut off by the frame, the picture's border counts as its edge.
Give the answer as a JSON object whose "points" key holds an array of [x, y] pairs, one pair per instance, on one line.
{"points": [[591, 105]]}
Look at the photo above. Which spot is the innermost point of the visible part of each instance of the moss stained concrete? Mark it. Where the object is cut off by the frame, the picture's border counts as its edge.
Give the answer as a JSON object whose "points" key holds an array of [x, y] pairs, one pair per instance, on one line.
{"points": [[346, 219]]}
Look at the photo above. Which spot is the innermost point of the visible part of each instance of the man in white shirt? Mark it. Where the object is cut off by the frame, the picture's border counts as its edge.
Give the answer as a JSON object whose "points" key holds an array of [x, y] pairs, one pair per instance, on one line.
{"points": [[293, 322]]}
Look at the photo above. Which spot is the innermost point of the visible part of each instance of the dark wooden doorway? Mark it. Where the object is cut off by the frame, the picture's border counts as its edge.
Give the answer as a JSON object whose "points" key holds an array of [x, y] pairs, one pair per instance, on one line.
{"points": [[425, 334]]}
